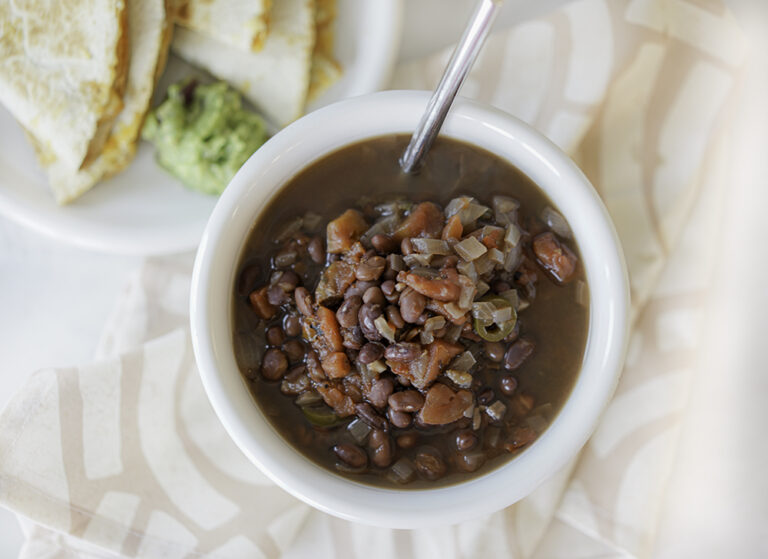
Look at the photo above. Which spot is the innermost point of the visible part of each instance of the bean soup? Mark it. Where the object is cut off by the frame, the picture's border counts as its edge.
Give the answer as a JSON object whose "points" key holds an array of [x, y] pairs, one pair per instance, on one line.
{"points": [[410, 330]]}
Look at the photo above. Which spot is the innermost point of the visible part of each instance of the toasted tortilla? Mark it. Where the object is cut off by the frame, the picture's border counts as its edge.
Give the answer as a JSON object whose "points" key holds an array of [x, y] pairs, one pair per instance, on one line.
{"points": [[150, 27], [242, 25], [325, 69], [276, 78], [63, 69]]}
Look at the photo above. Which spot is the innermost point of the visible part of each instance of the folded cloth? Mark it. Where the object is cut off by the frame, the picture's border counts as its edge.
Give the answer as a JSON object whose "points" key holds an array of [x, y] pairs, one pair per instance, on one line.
{"points": [[125, 457]]}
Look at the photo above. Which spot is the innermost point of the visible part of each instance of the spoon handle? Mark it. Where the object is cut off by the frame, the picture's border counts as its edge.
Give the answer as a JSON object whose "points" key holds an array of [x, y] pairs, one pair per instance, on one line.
{"points": [[461, 61]]}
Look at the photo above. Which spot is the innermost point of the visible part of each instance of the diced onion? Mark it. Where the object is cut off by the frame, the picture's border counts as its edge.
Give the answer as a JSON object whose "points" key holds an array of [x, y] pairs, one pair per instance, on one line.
{"points": [[384, 226], [504, 209], [307, 398], [384, 328], [377, 366], [434, 323], [402, 471], [556, 222], [463, 362], [415, 260], [289, 229], [426, 338], [431, 246], [512, 258], [456, 205], [476, 419], [359, 430], [482, 288], [496, 256], [512, 297], [461, 379], [537, 423], [396, 207], [496, 410], [502, 315], [468, 269], [484, 265], [454, 310], [513, 235], [470, 249], [472, 213], [312, 221], [396, 262], [483, 311], [524, 304], [467, 293], [582, 293]]}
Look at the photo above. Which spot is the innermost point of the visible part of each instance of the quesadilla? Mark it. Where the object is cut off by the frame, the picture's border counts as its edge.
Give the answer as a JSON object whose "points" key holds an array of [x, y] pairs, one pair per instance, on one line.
{"points": [[276, 78], [62, 73], [150, 33], [325, 69], [241, 24]]}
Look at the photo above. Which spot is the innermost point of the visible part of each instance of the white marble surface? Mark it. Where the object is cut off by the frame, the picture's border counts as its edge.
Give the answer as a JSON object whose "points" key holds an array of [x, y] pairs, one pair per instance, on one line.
{"points": [[54, 300]]}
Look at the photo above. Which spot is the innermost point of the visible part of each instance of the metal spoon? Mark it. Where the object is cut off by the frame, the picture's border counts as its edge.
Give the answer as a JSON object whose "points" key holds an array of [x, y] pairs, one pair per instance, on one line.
{"points": [[461, 61]]}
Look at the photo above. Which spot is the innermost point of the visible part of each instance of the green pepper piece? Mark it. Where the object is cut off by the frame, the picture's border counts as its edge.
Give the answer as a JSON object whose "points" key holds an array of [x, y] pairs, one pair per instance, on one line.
{"points": [[496, 332], [321, 416]]}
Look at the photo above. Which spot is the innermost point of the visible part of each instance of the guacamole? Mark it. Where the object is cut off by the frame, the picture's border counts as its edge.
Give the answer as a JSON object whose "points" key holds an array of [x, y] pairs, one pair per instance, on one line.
{"points": [[203, 135]]}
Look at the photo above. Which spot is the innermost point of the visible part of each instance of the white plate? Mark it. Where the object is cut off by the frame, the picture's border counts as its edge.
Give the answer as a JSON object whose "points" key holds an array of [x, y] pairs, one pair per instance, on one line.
{"points": [[144, 210]]}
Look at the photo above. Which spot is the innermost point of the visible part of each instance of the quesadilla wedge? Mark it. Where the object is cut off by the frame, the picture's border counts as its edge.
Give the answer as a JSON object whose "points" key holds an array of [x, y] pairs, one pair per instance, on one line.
{"points": [[275, 79], [150, 33], [62, 73], [325, 70], [241, 25]]}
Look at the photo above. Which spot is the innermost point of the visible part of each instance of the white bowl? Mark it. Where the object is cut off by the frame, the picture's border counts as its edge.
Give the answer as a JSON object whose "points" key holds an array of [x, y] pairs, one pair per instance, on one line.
{"points": [[304, 142]]}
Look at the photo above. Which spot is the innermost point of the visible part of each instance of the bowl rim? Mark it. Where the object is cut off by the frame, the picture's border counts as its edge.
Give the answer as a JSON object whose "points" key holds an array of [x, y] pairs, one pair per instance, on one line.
{"points": [[311, 138]]}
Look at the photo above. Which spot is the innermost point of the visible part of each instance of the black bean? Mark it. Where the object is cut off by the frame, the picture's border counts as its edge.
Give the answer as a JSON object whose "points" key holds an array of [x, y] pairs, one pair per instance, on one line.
{"points": [[275, 336], [288, 281], [292, 325], [370, 268], [407, 401], [351, 454], [352, 338], [274, 364], [388, 288], [295, 350], [315, 250], [517, 353], [486, 396], [380, 390], [248, 278], [366, 317], [383, 243], [303, 301], [402, 352], [295, 382], [394, 317], [399, 419], [374, 296], [466, 440], [347, 313], [406, 247], [412, 304], [495, 351], [358, 288], [381, 445], [500, 286], [276, 296], [508, 384], [430, 464], [370, 352], [407, 440], [471, 461], [366, 412]]}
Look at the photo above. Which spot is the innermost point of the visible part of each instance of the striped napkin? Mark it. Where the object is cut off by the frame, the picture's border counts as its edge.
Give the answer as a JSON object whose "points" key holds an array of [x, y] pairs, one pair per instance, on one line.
{"points": [[124, 457]]}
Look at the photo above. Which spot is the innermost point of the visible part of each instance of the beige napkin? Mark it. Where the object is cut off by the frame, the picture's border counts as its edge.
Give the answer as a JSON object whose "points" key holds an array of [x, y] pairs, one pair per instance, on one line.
{"points": [[124, 457]]}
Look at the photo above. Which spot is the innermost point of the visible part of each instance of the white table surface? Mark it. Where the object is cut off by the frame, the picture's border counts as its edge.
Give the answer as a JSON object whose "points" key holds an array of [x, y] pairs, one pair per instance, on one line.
{"points": [[54, 300]]}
